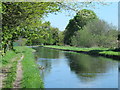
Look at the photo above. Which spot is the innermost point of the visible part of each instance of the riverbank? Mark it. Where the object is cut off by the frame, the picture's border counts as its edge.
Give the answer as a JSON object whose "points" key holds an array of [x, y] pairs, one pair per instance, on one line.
{"points": [[30, 72], [106, 52]]}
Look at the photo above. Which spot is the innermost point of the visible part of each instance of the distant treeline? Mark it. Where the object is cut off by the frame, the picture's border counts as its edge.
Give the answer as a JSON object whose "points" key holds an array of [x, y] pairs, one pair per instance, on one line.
{"points": [[84, 30]]}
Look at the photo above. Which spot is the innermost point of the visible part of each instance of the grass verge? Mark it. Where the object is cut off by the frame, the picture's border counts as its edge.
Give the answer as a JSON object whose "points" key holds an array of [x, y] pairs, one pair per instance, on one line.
{"points": [[110, 53], [31, 74], [107, 52], [75, 48], [9, 67], [8, 57]]}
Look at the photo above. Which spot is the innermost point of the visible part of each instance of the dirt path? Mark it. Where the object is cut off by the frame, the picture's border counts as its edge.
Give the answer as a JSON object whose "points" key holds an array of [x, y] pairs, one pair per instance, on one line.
{"points": [[19, 73], [3, 73]]}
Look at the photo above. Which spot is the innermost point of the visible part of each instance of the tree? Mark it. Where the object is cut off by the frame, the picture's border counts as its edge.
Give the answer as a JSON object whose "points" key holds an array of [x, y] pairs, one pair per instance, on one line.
{"points": [[21, 17], [78, 22], [96, 33], [45, 34], [61, 38], [18, 15]]}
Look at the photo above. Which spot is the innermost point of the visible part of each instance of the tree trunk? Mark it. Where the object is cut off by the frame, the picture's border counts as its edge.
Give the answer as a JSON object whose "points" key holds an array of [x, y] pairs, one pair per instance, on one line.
{"points": [[5, 48], [11, 45]]}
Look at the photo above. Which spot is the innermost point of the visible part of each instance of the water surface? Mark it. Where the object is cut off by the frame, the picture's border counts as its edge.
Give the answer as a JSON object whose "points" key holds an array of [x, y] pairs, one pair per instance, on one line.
{"points": [[76, 70]]}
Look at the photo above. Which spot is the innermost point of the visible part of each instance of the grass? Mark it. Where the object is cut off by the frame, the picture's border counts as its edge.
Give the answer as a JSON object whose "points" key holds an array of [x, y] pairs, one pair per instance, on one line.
{"points": [[98, 50], [9, 62], [110, 53], [11, 74], [8, 57], [31, 74], [75, 48]]}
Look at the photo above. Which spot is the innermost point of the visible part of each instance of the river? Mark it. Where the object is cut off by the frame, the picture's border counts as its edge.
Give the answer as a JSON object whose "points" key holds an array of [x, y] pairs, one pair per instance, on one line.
{"points": [[63, 69]]}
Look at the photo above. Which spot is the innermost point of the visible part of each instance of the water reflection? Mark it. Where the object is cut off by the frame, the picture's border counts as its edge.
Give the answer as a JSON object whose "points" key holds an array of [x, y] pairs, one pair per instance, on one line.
{"points": [[43, 55], [70, 70], [47, 53], [87, 67]]}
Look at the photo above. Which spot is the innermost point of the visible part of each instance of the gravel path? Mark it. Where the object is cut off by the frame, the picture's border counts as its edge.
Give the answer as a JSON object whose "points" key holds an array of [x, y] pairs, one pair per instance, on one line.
{"points": [[19, 74]]}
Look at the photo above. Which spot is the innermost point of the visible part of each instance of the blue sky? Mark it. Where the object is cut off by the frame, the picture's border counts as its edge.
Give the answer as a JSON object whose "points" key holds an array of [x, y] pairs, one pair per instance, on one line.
{"points": [[109, 13]]}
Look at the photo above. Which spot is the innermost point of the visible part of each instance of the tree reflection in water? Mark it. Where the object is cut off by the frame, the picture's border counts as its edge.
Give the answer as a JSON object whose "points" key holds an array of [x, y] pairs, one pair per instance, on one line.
{"points": [[87, 67], [44, 57]]}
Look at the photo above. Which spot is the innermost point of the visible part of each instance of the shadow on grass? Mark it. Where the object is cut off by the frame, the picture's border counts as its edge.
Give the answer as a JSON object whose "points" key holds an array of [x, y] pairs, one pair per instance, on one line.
{"points": [[116, 50]]}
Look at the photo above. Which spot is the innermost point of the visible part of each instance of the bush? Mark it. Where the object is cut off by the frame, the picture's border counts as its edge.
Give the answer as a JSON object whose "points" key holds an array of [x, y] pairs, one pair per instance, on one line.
{"points": [[96, 33]]}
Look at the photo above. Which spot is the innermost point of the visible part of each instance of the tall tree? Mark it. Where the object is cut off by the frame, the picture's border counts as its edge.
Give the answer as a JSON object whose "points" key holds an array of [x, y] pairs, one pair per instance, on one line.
{"points": [[78, 22], [18, 15]]}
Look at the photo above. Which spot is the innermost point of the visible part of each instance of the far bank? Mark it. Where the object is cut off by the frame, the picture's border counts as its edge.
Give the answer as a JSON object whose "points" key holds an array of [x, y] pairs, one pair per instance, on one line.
{"points": [[95, 51]]}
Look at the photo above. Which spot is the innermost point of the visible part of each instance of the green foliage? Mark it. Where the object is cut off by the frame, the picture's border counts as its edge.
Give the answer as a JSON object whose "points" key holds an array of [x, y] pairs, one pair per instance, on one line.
{"points": [[79, 39], [45, 34], [24, 19], [19, 18], [78, 22], [61, 38], [96, 33]]}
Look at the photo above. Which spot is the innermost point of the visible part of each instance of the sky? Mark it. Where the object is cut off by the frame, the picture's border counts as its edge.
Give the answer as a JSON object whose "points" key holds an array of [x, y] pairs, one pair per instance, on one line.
{"points": [[109, 13]]}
